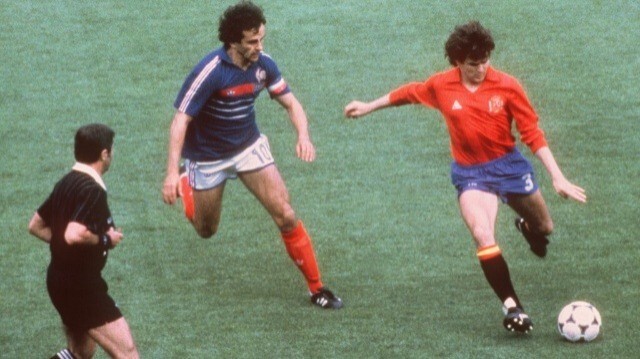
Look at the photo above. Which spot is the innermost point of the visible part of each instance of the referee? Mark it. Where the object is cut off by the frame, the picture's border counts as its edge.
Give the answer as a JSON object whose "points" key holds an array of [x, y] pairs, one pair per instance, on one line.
{"points": [[76, 222]]}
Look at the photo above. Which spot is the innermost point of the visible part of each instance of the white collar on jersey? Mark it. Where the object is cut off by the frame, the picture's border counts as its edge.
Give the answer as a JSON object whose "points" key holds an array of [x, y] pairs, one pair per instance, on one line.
{"points": [[81, 167]]}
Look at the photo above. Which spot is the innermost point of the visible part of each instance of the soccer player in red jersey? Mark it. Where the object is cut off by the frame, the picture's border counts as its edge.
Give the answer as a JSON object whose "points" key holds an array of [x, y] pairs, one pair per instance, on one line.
{"points": [[479, 105]]}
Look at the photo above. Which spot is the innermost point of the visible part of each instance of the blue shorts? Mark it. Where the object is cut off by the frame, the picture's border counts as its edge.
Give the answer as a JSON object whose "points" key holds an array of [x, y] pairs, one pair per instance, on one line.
{"points": [[509, 174]]}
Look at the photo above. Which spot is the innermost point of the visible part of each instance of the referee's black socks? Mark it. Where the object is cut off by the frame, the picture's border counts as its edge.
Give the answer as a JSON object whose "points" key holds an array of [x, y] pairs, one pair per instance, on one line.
{"points": [[64, 354]]}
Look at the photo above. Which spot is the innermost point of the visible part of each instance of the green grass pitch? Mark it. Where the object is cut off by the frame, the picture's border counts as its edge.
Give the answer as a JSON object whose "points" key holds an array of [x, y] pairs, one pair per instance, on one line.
{"points": [[377, 202]]}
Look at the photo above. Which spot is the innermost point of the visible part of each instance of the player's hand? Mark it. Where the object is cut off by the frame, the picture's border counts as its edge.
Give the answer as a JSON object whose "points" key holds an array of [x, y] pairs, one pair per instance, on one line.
{"points": [[305, 150], [567, 189], [171, 189], [356, 109], [115, 235]]}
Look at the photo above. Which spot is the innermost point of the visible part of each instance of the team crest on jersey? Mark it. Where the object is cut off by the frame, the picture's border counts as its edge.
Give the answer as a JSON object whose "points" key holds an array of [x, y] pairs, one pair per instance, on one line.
{"points": [[496, 104], [261, 75]]}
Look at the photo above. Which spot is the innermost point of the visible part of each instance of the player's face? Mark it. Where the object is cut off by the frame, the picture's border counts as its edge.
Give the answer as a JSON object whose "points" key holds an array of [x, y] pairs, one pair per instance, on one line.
{"points": [[474, 71], [250, 47]]}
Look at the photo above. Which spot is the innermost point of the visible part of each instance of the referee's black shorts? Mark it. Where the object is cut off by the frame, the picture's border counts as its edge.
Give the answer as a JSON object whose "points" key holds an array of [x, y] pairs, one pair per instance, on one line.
{"points": [[81, 301]]}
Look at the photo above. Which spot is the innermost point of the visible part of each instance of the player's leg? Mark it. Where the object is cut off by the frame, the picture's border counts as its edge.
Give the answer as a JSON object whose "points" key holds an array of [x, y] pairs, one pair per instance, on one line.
{"points": [[479, 211], [207, 210], [116, 339], [186, 192], [267, 186], [202, 185], [79, 343], [533, 209], [535, 222]]}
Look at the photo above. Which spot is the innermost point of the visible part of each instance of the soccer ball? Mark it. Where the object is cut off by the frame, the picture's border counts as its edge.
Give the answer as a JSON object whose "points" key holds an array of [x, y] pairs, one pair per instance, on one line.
{"points": [[579, 321]]}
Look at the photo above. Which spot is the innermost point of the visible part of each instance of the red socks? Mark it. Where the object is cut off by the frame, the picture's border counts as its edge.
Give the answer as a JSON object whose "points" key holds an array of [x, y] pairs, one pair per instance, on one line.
{"points": [[187, 197], [300, 249]]}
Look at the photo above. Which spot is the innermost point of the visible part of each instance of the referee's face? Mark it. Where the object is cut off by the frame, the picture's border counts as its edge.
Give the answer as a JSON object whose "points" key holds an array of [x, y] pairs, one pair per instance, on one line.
{"points": [[107, 156]]}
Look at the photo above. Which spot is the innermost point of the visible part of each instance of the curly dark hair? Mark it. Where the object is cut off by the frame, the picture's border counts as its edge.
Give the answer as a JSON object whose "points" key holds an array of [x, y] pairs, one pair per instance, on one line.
{"points": [[469, 41], [243, 16]]}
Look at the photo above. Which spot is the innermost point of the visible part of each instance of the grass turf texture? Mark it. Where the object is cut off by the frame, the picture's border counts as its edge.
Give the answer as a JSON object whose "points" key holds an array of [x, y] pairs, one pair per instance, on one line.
{"points": [[377, 201]]}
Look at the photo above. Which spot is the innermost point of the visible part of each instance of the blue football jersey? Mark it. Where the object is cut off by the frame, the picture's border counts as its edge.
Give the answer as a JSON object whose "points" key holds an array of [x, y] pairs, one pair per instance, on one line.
{"points": [[220, 97]]}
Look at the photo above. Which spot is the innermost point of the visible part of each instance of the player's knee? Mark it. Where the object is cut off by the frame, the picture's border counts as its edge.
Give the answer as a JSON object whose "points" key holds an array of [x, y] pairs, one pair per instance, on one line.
{"points": [[286, 220], [205, 230], [547, 228], [482, 236], [544, 228]]}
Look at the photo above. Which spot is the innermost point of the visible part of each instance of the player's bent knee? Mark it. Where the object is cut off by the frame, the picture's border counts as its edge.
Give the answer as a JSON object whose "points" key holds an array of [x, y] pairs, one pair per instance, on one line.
{"points": [[544, 228], [205, 231], [547, 230], [482, 236], [287, 221]]}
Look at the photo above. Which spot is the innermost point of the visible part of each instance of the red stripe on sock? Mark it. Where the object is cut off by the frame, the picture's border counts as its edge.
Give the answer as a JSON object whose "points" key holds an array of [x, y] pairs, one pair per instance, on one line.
{"points": [[488, 252]]}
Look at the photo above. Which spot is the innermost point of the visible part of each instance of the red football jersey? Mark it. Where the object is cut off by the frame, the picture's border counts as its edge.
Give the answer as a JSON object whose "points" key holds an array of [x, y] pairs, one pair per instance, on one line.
{"points": [[479, 122]]}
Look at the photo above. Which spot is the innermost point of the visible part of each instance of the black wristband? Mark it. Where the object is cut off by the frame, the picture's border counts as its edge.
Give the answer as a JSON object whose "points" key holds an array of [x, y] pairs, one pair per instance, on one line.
{"points": [[105, 241]]}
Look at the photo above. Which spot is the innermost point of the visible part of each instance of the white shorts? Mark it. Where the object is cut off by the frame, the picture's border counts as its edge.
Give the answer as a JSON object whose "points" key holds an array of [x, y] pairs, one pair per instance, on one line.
{"points": [[207, 175]]}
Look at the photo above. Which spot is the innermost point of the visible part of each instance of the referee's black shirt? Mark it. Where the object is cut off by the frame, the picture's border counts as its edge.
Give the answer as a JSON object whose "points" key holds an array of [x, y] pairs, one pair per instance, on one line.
{"points": [[77, 197]]}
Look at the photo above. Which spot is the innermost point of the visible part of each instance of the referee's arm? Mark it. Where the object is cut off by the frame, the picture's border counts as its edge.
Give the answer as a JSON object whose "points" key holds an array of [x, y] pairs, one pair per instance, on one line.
{"points": [[39, 229], [78, 234]]}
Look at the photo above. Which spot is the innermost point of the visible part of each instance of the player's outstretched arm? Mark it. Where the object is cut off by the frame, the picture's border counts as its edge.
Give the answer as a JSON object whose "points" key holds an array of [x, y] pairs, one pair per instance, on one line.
{"points": [[357, 109], [562, 186]]}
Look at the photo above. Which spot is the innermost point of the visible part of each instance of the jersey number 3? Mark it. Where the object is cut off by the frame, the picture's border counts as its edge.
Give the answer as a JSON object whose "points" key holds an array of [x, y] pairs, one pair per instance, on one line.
{"points": [[528, 182]]}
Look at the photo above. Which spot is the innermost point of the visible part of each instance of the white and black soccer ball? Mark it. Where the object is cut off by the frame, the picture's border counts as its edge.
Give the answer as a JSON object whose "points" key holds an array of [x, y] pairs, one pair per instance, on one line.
{"points": [[579, 321]]}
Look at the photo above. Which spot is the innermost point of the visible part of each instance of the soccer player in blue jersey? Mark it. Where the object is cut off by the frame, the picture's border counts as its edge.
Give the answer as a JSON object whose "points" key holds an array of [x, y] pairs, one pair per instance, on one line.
{"points": [[214, 130]]}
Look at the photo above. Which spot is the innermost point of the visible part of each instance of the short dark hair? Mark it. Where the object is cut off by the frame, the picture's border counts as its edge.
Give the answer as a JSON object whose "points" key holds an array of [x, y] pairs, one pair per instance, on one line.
{"points": [[91, 140], [469, 41], [243, 16]]}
